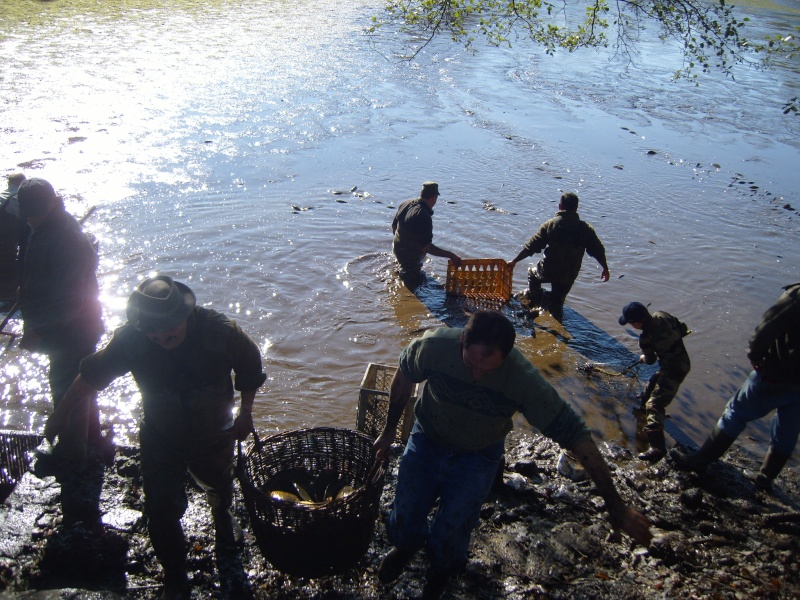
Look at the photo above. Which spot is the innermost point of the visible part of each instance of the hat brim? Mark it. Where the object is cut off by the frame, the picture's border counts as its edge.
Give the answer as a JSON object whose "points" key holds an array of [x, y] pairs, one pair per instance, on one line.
{"points": [[623, 320], [153, 324]]}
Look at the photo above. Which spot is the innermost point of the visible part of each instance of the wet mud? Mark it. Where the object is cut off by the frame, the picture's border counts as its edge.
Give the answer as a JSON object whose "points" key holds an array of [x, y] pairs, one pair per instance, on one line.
{"points": [[541, 534]]}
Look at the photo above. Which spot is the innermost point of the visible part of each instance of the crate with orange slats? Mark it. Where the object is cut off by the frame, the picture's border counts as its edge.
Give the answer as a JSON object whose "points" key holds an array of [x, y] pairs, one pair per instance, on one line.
{"points": [[484, 278]]}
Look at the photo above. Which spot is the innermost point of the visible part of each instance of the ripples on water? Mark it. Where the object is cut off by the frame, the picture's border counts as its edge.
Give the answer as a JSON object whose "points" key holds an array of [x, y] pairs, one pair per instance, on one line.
{"points": [[221, 140]]}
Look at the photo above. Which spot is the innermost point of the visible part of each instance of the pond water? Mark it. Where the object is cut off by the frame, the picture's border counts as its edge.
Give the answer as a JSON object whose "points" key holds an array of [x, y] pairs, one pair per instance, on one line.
{"points": [[258, 150]]}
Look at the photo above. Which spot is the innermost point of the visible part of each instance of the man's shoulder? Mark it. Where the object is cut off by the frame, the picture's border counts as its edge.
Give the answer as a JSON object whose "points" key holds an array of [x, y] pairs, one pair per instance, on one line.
{"points": [[441, 334], [435, 340]]}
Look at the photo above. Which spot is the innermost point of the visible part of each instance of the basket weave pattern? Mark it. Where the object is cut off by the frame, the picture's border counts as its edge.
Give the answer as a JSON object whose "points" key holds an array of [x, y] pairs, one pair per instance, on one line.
{"points": [[15, 447], [484, 278], [312, 540]]}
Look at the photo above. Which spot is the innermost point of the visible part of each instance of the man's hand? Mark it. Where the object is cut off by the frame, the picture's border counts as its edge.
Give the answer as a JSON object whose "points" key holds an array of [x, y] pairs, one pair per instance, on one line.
{"points": [[243, 426], [382, 445], [511, 264], [632, 522], [54, 426], [456, 259], [605, 275]]}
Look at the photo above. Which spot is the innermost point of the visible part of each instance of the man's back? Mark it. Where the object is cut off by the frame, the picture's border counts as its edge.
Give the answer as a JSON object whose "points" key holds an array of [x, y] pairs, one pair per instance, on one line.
{"points": [[413, 232], [59, 285]]}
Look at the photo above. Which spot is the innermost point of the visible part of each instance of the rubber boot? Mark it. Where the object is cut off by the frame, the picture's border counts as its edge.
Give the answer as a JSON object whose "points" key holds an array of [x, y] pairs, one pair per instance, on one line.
{"points": [[658, 447], [713, 448], [773, 464], [169, 545], [499, 485], [228, 531]]}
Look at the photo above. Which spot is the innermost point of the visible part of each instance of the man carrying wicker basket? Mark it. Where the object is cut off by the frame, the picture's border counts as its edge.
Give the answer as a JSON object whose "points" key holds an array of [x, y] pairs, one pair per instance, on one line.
{"points": [[476, 382], [181, 356]]}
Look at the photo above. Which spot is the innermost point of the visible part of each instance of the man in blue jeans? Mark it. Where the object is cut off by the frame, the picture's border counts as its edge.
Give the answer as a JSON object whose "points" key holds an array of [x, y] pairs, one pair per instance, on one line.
{"points": [[773, 384], [476, 382]]}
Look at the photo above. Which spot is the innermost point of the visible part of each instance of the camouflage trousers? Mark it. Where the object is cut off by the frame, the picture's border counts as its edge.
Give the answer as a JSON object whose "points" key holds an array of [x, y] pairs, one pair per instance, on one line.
{"points": [[661, 389]]}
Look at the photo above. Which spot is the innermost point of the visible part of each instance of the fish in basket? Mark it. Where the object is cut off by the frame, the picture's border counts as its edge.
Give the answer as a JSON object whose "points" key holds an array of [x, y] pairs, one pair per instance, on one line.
{"points": [[312, 496]]}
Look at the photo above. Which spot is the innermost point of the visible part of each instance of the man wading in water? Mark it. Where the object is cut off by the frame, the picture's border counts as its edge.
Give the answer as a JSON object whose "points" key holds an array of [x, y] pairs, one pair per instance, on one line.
{"points": [[181, 356], [412, 227], [562, 241]]}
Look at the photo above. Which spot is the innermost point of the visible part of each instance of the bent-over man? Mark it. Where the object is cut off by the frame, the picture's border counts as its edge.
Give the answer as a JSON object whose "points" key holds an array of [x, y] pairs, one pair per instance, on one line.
{"points": [[181, 356], [773, 384], [476, 382], [661, 340]]}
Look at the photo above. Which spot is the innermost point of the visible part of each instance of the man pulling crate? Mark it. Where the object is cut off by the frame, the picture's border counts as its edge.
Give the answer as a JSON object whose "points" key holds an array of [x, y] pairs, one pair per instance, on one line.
{"points": [[412, 227]]}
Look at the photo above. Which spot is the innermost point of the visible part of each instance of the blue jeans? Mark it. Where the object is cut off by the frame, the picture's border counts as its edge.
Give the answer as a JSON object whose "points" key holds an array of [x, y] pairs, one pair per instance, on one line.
{"points": [[461, 482], [755, 399]]}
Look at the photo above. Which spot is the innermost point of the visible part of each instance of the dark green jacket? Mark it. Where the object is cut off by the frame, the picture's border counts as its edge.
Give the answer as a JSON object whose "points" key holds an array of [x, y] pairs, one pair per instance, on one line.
{"points": [[59, 293], [187, 392], [776, 340], [413, 231], [563, 241], [662, 339], [465, 415]]}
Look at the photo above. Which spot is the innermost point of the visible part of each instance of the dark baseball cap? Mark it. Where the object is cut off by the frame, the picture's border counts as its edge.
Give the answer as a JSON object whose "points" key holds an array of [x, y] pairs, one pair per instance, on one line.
{"points": [[634, 312]]}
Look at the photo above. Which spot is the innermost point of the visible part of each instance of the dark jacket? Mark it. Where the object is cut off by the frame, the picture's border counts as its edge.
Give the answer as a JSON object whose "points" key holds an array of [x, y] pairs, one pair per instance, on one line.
{"points": [[59, 293], [563, 241], [413, 231], [776, 340], [187, 392], [662, 339]]}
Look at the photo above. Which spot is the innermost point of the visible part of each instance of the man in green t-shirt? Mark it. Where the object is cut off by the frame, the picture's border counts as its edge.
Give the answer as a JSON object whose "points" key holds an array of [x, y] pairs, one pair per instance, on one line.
{"points": [[476, 382]]}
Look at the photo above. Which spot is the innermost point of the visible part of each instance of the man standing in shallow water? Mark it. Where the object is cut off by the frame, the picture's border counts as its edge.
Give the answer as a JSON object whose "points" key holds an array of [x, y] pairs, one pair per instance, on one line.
{"points": [[412, 227], [476, 382], [181, 356], [562, 241]]}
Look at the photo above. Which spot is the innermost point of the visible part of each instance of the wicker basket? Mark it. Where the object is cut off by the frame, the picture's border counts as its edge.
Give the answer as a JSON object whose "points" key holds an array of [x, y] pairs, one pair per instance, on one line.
{"points": [[312, 540], [373, 403], [484, 278], [15, 458]]}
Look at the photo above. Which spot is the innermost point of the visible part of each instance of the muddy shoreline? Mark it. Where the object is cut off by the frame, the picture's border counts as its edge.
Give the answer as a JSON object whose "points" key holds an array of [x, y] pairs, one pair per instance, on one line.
{"points": [[544, 535]]}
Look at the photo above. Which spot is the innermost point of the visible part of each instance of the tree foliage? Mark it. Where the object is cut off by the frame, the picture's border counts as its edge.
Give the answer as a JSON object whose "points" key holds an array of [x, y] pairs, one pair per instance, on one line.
{"points": [[711, 34]]}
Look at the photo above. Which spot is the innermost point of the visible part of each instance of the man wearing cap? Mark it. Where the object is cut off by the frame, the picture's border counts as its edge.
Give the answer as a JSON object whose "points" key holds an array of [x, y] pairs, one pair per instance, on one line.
{"points": [[181, 356], [661, 339], [562, 241], [58, 297], [773, 384], [413, 235]]}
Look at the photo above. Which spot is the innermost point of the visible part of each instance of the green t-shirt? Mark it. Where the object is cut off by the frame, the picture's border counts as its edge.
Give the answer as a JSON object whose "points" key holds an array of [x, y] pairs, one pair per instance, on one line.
{"points": [[465, 415]]}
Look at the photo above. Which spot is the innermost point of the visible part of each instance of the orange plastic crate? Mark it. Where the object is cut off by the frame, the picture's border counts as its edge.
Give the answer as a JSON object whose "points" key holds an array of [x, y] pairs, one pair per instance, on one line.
{"points": [[485, 278]]}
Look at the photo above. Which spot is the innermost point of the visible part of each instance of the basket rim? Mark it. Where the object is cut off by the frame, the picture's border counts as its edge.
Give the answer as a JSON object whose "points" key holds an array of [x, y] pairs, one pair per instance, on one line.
{"points": [[375, 474]]}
